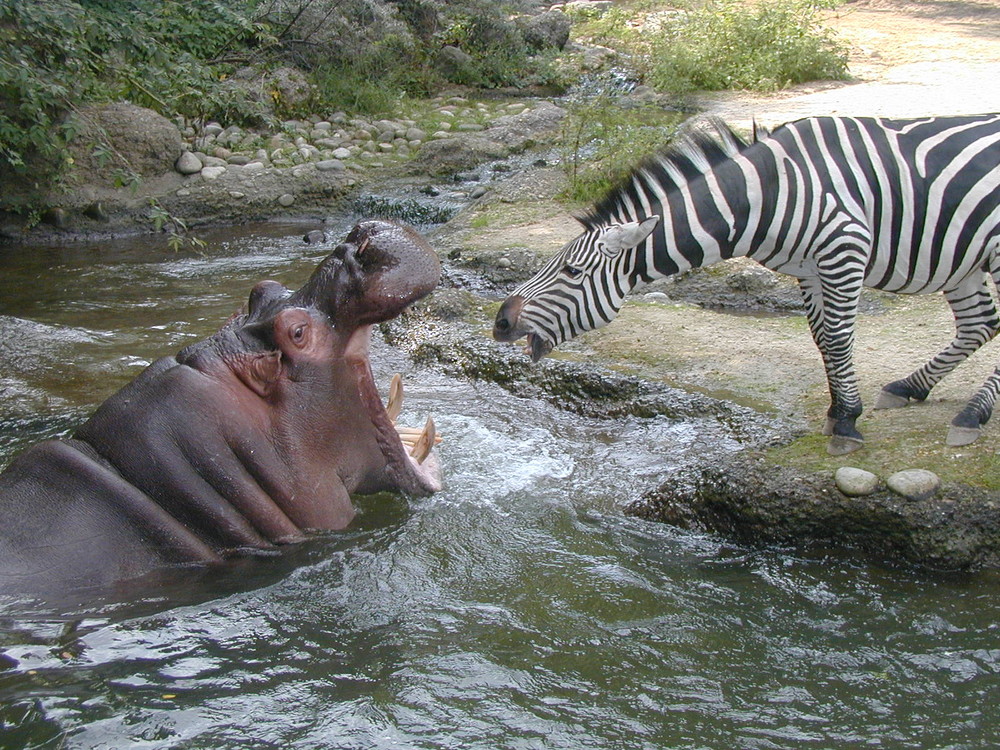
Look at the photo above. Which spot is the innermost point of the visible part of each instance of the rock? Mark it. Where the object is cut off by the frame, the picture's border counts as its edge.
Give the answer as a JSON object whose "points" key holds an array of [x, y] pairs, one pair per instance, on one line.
{"points": [[855, 482], [453, 62], [752, 279], [508, 134], [283, 88], [747, 498], [314, 237], [188, 163], [96, 212], [286, 199], [56, 217], [454, 154], [590, 8], [522, 130], [253, 167], [140, 141], [213, 173], [330, 165], [341, 153], [914, 484], [546, 30]]}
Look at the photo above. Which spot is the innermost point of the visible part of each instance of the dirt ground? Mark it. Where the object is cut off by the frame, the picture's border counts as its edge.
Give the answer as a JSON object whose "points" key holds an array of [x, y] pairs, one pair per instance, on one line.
{"points": [[908, 59]]}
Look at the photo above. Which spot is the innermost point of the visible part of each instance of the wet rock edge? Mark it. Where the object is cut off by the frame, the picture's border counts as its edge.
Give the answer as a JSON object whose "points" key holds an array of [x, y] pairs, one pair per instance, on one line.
{"points": [[739, 495], [747, 498]]}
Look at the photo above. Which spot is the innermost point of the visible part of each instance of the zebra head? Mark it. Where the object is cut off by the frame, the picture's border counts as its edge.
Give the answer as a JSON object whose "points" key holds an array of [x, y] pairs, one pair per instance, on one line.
{"points": [[581, 288]]}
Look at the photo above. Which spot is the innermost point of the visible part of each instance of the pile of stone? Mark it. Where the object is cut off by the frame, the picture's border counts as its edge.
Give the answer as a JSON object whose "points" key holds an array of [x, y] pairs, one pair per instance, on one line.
{"points": [[336, 143]]}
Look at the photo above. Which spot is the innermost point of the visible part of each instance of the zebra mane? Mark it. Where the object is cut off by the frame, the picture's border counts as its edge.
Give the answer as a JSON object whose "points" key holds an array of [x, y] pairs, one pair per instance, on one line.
{"points": [[695, 151]]}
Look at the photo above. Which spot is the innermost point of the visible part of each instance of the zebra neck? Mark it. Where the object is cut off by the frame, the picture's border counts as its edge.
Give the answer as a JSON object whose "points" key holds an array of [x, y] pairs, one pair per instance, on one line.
{"points": [[721, 214]]}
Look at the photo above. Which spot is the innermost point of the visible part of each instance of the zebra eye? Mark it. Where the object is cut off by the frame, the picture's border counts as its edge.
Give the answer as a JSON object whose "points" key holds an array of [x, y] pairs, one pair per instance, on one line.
{"points": [[572, 271]]}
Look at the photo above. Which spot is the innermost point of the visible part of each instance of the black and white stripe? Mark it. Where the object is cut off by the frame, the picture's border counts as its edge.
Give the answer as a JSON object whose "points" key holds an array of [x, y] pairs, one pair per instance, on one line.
{"points": [[908, 206]]}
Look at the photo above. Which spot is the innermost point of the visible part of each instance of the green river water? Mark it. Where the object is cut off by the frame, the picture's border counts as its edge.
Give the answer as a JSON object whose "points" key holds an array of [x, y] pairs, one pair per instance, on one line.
{"points": [[516, 609]]}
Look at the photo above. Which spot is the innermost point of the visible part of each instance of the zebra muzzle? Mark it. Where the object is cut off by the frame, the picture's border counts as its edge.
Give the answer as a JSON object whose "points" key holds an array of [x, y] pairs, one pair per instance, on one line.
{"points": [[537, 347]]}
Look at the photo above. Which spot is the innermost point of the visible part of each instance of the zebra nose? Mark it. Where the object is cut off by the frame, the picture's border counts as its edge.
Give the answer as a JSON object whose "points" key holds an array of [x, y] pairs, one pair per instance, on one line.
{"points": [[505, 326]]}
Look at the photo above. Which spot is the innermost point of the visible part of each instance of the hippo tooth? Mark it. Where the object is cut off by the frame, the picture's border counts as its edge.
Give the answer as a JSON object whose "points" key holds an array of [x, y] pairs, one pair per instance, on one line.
{"points": [[395, 404], [410, 435], [422, 448]]}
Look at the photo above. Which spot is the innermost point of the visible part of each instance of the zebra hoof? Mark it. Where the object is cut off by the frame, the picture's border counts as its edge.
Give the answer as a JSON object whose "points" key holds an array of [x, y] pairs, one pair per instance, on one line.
{"points": [[888, 400], [840, 445], [958, 436]]}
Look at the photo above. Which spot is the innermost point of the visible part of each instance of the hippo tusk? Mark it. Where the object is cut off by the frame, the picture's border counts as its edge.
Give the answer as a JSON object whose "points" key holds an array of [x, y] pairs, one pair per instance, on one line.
{"points": [[418, 442], [395, 405], [409, 436], [422, 448]]}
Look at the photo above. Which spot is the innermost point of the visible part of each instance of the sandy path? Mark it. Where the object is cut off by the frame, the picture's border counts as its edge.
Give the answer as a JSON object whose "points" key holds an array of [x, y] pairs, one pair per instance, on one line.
{"points": [[908, 59]]}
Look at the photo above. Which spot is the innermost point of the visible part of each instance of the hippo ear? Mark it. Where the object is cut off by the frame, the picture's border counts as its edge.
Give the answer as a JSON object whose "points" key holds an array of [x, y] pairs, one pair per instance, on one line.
{"points": [[293, 330], [260, 372]]}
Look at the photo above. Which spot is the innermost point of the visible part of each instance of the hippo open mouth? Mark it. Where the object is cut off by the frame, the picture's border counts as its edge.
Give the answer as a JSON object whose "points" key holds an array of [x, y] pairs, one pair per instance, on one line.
{"points": [[407, 450]]}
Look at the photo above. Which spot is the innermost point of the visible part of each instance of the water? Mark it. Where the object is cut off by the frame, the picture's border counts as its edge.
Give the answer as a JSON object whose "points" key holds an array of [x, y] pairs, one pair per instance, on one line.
{"points": [[516, 609]]}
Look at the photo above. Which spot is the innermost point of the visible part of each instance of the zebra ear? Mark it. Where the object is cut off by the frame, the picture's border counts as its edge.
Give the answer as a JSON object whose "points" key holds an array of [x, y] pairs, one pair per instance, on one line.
{"points": [[620, 237]]}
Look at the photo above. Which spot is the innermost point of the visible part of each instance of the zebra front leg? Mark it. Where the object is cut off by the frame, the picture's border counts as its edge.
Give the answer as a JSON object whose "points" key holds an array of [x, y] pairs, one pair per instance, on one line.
{"points": [[831, 314], [975, 323]]}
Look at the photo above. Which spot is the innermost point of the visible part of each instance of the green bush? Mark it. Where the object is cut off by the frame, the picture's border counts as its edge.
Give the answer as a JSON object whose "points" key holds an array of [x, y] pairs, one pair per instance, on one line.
{"points": [[499, 54], [733, 44], [602, 143], [376, 80]]}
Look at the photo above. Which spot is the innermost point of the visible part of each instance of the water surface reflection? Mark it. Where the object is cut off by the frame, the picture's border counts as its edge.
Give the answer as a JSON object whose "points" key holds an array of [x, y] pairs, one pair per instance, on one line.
{"points": [[516, 609]]}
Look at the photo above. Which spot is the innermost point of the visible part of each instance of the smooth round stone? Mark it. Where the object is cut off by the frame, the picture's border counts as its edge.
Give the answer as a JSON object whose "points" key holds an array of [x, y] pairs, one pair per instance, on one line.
{"points": [[188, 163], [914, 484], [330, 165], [212, 173], [855, 482], [286, 199]]}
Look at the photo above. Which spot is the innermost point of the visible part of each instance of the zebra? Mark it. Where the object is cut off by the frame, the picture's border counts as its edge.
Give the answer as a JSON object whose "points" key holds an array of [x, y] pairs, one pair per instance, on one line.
{"points": [[909, 206]]}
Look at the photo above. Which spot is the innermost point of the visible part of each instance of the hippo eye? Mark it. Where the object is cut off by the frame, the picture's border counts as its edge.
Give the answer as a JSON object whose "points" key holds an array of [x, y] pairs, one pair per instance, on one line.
{"points": [[572, 271]]}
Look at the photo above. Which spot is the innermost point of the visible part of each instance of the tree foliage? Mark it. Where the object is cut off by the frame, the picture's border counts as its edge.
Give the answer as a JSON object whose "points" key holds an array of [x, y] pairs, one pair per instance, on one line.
{"points": [[59, 54]]}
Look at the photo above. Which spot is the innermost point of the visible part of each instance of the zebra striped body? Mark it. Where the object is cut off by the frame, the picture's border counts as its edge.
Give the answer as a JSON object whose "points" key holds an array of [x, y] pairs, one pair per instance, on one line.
{"points": [[909, 206]]}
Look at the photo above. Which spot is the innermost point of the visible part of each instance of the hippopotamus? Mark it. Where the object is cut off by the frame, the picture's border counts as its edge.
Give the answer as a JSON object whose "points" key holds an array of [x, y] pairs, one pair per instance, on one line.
{"points": [[239, 444]]}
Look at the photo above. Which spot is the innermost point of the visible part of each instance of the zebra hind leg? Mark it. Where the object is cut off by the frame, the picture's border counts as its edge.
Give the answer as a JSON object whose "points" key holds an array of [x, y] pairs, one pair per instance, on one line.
{"points": [[976, 322], [968, 423]]}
